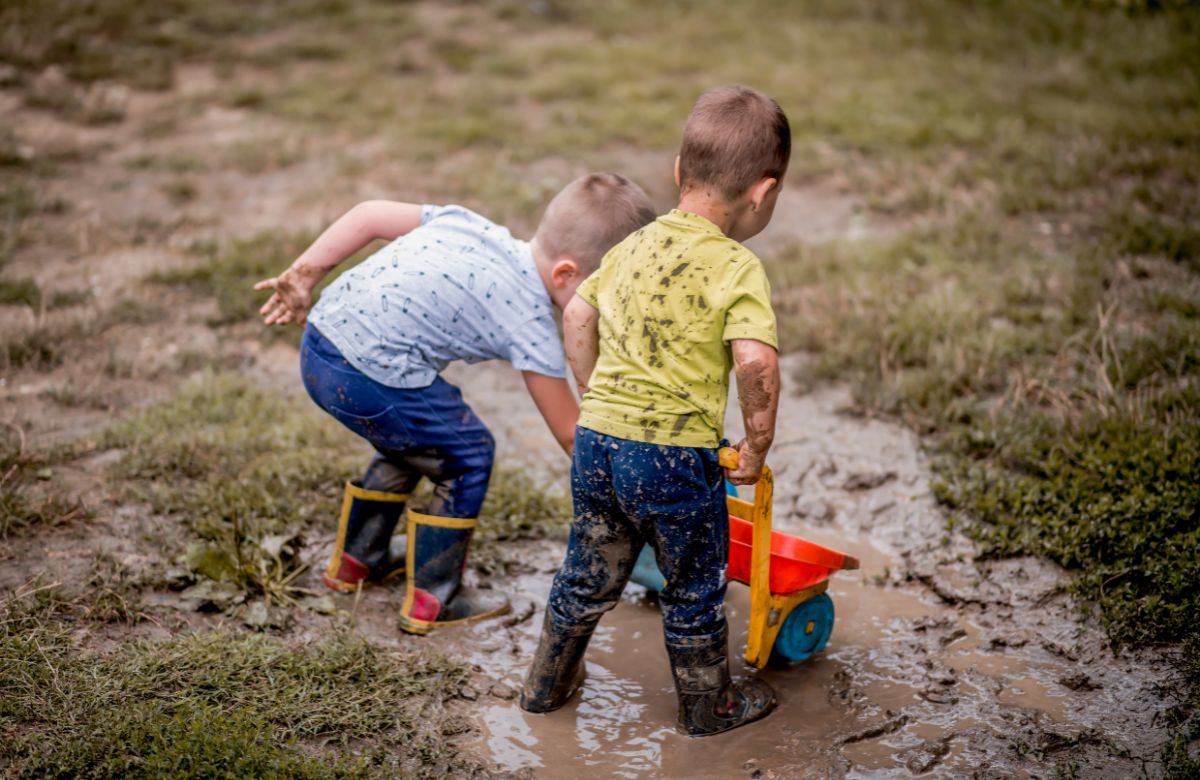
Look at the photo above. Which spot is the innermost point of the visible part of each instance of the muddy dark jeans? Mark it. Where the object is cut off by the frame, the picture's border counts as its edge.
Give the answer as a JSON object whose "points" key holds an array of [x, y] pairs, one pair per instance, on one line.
{"points": [[628, 493], [427, 431]]}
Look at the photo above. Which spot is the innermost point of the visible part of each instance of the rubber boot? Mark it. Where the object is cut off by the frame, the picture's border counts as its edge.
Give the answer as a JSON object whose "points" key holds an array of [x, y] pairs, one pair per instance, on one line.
{"points": [[557, 670], [364, 550], [710, 702], [434, 595]]}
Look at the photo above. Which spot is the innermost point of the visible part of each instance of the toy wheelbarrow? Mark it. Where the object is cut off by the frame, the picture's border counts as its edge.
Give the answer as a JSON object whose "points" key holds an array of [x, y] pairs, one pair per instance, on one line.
{"points": [[791, 616]]}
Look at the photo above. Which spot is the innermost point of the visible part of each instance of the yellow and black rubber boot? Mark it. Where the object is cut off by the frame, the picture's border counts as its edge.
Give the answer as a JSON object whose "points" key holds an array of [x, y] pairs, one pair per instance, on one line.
{"points": [[434, 595], [365, 550]]}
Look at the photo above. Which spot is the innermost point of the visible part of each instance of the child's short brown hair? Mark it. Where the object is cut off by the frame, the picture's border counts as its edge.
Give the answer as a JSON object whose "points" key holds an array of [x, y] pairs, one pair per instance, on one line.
{"points": [[590, 216], [734, 136]]}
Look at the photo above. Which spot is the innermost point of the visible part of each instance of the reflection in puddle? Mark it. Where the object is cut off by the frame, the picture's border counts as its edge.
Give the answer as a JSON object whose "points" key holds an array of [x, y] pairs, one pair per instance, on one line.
{"points": [[511, 738], [605, 727]]}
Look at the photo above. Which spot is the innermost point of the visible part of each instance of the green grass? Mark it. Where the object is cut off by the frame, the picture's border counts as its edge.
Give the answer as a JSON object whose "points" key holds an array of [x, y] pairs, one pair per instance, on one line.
{"points": [[228, 270], [517, 508], [216, 704], [243, 473], [28, 496]]}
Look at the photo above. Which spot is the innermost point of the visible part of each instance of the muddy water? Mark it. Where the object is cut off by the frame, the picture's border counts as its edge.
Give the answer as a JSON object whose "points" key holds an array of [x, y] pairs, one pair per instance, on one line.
{"points": [[936, 667]]}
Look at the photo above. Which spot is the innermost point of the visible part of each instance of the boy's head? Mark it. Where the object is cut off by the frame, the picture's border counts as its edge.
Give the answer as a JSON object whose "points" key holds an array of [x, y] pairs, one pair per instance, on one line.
{"points": [[736, 141], [585, 219]]}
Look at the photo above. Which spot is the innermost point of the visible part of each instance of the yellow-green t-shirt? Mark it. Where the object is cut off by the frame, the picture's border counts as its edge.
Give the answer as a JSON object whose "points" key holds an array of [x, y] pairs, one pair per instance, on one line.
{"points": [[670, 298]]}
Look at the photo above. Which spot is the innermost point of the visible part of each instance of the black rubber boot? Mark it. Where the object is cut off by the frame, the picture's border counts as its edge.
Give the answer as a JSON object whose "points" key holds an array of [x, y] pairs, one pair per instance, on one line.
{"points": [[365, 550], [709, 700], [557, 670], [436, 558]]}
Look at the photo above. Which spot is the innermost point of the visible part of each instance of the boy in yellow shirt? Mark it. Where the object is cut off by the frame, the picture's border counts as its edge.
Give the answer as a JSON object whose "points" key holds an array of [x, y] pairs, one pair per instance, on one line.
{"points": [[651, 337]]}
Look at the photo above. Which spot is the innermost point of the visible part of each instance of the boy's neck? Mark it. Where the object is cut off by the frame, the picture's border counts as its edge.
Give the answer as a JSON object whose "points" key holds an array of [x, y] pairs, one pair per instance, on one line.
{"points": [[714, 208], [545, 264]]}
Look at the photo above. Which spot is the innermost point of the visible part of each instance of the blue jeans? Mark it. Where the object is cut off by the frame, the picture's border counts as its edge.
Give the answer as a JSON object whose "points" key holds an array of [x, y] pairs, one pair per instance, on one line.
{"points": [[630, 493], [427, 431]]}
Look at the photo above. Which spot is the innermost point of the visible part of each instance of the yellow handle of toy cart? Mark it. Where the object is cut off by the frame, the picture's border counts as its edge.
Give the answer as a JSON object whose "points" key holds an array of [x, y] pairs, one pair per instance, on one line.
{"points": [[761, 606]]}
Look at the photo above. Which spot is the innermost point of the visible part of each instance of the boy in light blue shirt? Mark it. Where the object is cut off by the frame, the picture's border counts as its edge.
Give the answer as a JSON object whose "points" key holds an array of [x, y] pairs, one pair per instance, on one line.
{"points": [[450, 285]]}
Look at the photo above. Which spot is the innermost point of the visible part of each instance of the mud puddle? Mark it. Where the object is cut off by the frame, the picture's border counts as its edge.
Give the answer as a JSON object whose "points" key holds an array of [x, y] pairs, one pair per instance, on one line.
{"points": [[936, 668]]}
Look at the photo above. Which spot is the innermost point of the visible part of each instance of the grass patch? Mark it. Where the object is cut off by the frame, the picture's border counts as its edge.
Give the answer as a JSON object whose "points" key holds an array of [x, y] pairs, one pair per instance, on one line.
{"points": [[41, 347], [244, 473], [216, 704], [20, 292], [24, 503], [517, 508], [228, 270]]}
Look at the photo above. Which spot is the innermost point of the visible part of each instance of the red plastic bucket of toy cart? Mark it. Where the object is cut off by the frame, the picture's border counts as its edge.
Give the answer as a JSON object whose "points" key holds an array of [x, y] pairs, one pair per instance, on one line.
{"points": [[796, 564]]}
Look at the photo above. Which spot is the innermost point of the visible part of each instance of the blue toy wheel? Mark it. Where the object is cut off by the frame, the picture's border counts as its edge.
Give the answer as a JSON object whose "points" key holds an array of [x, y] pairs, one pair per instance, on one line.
{"points": [[804, 632]]}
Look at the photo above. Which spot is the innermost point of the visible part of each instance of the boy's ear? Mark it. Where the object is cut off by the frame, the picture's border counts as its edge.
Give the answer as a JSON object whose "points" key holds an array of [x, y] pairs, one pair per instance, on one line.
{"points": [[676, 170], [760, 189], [564, 271]]}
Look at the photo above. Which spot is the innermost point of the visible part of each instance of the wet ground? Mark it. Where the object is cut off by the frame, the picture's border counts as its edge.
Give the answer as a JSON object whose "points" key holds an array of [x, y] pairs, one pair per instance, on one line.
{"points": [[936, 668]]}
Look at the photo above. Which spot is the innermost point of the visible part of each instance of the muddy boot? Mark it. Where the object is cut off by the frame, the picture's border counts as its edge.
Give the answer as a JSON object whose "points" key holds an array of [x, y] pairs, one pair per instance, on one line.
{"points": [[557, 670], [364, 550], [709, 701], [437, 556]]}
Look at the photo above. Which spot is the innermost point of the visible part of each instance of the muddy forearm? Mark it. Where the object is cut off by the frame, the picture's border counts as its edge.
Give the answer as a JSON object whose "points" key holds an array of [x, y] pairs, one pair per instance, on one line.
{"points": [[757, 368], [581, 339]]}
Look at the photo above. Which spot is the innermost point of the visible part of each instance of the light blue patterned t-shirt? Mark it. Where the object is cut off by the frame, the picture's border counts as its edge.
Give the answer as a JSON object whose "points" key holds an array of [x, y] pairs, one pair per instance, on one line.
{"points": [[459, 287]]}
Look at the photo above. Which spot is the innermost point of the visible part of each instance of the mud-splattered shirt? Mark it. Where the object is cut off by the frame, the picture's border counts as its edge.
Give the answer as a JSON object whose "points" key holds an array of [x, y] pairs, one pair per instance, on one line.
{"points": [[459, 287], [670, 298]]}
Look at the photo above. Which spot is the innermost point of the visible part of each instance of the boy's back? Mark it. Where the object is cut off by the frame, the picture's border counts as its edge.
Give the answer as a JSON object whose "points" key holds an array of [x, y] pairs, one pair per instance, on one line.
{"points": [[670, 298], [459, 287]]}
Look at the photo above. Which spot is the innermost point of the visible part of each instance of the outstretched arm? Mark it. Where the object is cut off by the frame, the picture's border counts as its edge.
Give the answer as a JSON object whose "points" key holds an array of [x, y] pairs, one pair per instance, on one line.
{"points": [[756, 366], [554, 400], [581, 338], [352, 231]]}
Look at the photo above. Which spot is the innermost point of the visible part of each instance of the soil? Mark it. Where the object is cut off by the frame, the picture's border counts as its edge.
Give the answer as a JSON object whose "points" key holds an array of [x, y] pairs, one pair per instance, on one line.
{"points": [[939, 665]]}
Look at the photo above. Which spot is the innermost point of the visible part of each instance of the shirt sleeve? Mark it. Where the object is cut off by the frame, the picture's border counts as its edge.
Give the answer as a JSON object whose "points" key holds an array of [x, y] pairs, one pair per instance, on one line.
{"points": [[589, 289], [535, 346], [748, 314]]}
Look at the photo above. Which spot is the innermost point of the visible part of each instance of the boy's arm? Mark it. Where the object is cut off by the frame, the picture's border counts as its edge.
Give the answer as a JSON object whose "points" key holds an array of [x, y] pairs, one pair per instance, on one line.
{"points": [[555, 401], [581, 339], [355, 229], [756, 366]]}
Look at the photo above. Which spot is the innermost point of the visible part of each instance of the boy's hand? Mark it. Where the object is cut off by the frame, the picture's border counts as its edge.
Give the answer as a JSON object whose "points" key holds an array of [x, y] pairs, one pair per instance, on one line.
{"points": [[292, 298], [749, 467]]}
